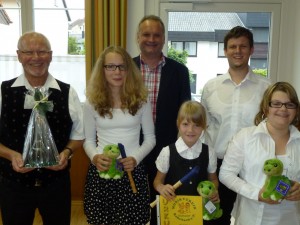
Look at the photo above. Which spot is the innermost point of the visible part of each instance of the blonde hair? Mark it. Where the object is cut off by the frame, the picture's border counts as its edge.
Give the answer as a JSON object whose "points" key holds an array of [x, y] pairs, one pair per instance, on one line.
{"points": [[192, 111], [264, 105], [133, 93]]}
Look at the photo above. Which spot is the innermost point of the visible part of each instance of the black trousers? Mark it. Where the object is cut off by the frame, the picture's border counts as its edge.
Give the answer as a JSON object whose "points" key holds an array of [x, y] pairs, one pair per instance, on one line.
{"points": [[18, 203]]}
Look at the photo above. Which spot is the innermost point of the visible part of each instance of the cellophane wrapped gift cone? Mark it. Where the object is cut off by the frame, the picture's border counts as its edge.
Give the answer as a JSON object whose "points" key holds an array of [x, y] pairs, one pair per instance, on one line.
{"points": [[39, 147]]}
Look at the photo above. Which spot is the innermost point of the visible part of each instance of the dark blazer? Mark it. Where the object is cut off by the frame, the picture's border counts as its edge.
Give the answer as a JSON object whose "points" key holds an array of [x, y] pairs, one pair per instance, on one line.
{"points": [[174, 89]]}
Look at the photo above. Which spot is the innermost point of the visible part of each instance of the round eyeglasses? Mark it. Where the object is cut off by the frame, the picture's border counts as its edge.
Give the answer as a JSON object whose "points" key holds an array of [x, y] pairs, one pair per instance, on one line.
{"points": [[32, 53]]}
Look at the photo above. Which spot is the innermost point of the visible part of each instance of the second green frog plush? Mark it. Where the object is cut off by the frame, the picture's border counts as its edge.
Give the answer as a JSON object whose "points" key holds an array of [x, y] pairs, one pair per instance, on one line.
{"points": [[276, 185], [206, 189], [115, 170]]}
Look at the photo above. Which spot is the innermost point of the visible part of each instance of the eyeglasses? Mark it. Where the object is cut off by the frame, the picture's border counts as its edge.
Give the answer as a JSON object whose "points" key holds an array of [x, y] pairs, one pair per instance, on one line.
{"points": [[112, 67], [32, 53], [288, 105]]}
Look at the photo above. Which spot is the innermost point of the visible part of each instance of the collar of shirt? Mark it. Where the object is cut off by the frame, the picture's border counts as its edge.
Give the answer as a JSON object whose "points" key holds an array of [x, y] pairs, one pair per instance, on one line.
{"points": [[262, 129], [250, 76], [22, 81], [161, 62], [186, 152]]}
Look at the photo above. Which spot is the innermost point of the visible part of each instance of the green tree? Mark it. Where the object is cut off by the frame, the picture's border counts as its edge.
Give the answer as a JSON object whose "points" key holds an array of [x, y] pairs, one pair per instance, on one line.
{"points": [[82, 52], [262, 72], [72, 46], [181, 57]]}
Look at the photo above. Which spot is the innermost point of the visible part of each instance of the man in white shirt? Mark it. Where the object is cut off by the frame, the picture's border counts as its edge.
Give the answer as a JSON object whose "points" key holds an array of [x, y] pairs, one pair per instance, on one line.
{"points": [[232, 101]]}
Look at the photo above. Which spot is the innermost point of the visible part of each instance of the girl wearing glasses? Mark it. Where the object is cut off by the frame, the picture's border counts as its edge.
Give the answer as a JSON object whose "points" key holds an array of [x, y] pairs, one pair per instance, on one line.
{"points": [[274, 136], [116, 110]]}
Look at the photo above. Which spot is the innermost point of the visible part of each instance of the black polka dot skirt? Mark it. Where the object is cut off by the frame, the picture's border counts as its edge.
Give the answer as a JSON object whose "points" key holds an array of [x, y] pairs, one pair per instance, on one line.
{"points": [[112, 202]]}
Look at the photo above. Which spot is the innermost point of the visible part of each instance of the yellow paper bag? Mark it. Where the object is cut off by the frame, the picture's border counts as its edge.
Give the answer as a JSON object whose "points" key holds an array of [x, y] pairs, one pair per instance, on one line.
{"points": [[183, 210]]}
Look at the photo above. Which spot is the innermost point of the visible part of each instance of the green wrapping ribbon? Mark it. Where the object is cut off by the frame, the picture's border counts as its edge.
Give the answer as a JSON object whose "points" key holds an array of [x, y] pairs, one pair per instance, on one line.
{"points": [[41, 101]]}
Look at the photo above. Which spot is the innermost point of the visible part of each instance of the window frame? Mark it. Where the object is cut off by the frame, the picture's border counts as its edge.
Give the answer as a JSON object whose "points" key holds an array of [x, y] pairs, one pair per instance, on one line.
{"points": [[221, 53], [237, 6]]}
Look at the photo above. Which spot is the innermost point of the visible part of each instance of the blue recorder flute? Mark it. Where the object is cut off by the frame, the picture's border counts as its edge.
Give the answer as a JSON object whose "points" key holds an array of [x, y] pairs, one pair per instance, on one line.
{"points": [[183, 180], [123, 154]]}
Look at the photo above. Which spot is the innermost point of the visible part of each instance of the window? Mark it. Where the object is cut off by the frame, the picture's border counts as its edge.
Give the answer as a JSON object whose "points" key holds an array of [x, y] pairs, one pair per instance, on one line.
{"points": [[221, 50], [206, 24], [62, 21], [193, 83], [178, 45], [189, 46]]}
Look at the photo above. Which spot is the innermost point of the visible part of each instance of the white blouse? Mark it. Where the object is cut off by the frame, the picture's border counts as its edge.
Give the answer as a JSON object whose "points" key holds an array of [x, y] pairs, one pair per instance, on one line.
{"points": [[242, 172], [163, 160]]}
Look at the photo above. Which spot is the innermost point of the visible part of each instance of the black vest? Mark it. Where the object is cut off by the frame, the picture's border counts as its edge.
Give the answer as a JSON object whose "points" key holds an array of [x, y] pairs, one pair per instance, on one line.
{"points": [[13, 126], [179, 167]]}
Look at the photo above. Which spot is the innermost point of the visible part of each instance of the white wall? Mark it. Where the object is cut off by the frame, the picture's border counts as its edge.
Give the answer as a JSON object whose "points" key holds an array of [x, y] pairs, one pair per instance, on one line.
{"points": [[294, 47], [289, 35], [136, 11]]}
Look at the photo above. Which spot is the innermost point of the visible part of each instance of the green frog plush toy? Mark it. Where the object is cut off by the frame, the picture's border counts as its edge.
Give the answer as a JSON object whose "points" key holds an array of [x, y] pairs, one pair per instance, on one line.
{"points": [[276, 185], [211, 210], [115, 170]]}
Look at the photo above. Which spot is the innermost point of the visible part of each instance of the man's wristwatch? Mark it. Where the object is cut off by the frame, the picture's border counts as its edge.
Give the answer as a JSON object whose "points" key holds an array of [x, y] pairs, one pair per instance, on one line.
{"points": [[70, 152]]}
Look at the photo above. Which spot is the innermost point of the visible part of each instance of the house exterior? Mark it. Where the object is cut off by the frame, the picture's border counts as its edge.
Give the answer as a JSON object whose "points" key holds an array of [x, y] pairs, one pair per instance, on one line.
{"points": [[77, 30]]}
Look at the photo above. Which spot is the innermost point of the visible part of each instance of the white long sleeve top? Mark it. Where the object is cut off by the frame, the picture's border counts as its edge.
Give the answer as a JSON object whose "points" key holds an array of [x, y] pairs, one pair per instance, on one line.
{"points": [[122, 128], [230, 107], [242, 172]]}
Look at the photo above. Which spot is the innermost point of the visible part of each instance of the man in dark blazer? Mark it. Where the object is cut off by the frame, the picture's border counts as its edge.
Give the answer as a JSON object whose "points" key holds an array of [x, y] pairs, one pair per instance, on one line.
{"points": [[168, 85]]}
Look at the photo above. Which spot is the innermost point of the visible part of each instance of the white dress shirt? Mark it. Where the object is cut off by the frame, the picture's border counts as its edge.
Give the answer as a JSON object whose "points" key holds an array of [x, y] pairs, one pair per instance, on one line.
{"points": [[230, 107], [75, 108], [242, 172], [163, 159]]}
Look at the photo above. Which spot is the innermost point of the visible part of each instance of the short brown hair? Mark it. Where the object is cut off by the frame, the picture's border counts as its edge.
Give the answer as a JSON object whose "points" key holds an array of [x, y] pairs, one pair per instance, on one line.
{"points": [[153, 18], [237, 32]]}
